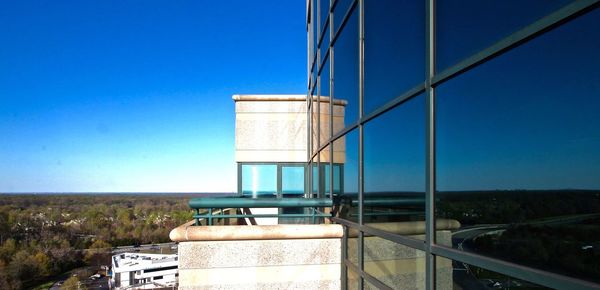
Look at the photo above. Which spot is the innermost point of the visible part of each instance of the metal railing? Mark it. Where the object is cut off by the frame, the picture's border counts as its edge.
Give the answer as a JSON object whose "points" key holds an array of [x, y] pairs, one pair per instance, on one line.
{"points": [[242, 207]]}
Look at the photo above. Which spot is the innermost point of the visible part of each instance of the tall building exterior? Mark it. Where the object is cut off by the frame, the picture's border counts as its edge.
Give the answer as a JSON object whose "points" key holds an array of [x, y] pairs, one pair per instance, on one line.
{"points": [[481, 114]]}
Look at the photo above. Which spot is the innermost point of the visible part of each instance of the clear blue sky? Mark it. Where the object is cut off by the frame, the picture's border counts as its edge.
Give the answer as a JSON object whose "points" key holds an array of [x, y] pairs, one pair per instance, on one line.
{"points": [[136, 95]]}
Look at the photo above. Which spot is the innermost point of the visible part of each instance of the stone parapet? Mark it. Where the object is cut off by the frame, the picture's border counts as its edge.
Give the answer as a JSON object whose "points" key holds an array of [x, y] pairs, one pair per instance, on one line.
{"points": [[259, 257]]}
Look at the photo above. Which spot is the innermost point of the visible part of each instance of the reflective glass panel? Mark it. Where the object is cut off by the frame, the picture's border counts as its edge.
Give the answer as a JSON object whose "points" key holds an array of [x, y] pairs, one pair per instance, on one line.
{"points": [[315, 176], [517, 152], [337, 178], [324, 44], [353, 279], [315, 30], [454, 275], [394, 169], [292, 180], [315, 122], [325, 171], [463, 28], [345, 150], [324, 7], [325, 110], [345, 78], [394, 49], [395, 265], [259, 180], [341, 8]]}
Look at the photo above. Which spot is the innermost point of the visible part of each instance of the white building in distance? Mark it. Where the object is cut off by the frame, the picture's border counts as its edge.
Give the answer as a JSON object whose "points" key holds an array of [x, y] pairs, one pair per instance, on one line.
{"points": [[144, 271]]}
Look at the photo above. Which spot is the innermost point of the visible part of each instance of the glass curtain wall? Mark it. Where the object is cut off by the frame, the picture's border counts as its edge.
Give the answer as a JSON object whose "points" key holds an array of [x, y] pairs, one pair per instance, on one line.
{"points": [[471, 140]]}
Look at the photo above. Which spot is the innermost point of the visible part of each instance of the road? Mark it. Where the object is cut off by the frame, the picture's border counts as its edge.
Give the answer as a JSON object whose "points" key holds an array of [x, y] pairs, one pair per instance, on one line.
{"points": [[462, 274]]}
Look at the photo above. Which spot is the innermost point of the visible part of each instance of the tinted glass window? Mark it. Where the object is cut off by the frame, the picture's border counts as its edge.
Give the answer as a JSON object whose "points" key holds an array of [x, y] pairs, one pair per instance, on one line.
{"points": [[394, 166], [463, 28], [345, 61], [394, 49], [517, 150], [259, 180], [292, 180]]}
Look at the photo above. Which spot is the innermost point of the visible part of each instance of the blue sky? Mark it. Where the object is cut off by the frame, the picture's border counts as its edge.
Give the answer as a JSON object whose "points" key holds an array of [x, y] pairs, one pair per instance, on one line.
{"points": [[136, 95]]}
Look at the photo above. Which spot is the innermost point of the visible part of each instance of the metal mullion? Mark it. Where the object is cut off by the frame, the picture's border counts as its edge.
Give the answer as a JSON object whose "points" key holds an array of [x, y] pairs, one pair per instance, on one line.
{"points": [[521, 36], [394, 102], [239, 179], [364, 275], [396, 238], [430, 230], [361, 169], [525, 273], [344, 269], [279, 181], [344, 21], [318, 128], [331, 107], [308, 167]]}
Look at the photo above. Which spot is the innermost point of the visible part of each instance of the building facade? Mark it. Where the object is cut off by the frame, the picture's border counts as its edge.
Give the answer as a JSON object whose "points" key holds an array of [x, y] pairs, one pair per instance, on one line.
{"points": [[144, 271], [483, 113]]}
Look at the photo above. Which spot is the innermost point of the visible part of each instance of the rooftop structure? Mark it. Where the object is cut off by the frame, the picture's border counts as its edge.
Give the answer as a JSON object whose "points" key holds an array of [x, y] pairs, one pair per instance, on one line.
{"points": [[144, 271]]}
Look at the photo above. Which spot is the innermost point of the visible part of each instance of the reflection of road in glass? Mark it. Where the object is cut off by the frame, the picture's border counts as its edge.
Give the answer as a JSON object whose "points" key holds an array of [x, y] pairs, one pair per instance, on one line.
{"points": [[466, 276]]}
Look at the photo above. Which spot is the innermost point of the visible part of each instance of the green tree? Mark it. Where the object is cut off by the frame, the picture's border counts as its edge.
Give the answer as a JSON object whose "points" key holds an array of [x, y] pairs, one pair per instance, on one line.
{"points": [[8, 249], [71, 284], [43, 263], [98, 252]]}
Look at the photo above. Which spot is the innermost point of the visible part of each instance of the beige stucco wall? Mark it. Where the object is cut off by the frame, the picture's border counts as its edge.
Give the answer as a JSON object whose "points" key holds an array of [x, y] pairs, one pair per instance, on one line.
{"points": [[273, 128], [259, 257]]}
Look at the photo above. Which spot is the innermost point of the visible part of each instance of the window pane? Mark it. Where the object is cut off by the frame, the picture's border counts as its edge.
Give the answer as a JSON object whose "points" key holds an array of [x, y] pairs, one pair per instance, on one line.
{"points": [[517, 151], [315, 177], [292, 180], [325, 114], [456, 275], [337, 178], [394, 168], [395, 265], [353, 279], [394, 49], [340, 10], [259, 180], [315, 30], [463, 28], [324, 11], [324, 44], [346, 155], [325, 171], [315, 122], [345, 76]]}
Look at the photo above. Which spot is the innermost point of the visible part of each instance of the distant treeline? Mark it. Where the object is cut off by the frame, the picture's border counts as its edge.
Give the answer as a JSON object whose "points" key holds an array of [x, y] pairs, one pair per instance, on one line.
{"points": [[514, 206], [42, 235]]}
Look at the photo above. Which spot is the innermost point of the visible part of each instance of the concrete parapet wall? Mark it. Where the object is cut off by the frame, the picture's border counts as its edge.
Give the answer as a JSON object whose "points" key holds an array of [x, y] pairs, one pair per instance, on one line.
{"points": [[260, 264]]}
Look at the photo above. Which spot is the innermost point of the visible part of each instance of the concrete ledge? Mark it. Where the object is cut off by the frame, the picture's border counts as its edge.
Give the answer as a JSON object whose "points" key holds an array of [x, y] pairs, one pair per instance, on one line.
{"points": [[189, 232], [240, 254], [284, 98]]}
